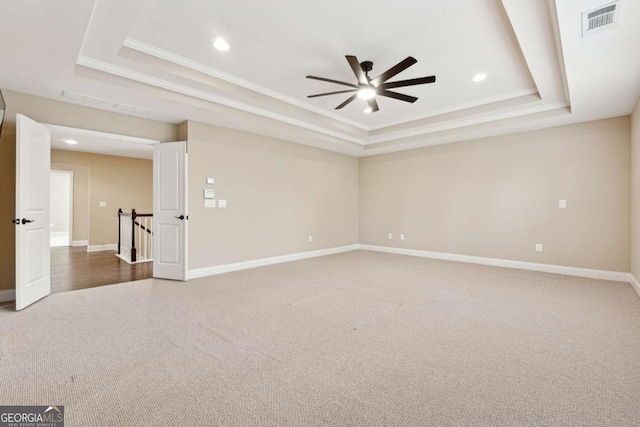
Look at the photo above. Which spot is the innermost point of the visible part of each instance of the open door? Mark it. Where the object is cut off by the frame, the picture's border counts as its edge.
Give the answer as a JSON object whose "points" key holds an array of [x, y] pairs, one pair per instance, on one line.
{"points": [[170, 214], [33, 164]]}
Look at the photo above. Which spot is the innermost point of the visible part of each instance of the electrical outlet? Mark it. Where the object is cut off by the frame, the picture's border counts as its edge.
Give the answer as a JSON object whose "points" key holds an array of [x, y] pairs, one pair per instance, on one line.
{"points": [[390, 235], [310, 239], [402, 237], [538, 247], [562, 204], [222, 203]]}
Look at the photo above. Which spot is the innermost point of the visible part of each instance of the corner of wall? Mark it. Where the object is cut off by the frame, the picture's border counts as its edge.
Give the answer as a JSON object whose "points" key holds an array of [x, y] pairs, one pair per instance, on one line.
{"points": [[635, 191]]}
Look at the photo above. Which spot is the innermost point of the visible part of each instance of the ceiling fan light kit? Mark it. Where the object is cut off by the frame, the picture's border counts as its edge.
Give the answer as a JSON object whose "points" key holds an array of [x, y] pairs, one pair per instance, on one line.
{"points": [[367, 88]]}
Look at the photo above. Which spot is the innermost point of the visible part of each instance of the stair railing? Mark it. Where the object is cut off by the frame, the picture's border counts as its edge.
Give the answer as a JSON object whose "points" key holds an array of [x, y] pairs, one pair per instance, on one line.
{"points": [[135, 236]]}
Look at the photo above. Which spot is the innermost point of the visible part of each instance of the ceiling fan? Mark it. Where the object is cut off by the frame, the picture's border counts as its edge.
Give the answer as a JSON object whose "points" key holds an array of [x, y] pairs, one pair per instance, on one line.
{"points": [[367, 88]]}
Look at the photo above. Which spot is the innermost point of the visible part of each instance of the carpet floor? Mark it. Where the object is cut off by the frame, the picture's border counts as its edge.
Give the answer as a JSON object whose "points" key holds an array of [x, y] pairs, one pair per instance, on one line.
{"points": [[355, 339]]}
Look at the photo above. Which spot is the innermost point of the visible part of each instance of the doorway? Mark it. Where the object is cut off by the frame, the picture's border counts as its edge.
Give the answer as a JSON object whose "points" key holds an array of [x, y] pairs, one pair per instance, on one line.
{"points": [[40, 192], [61, 208]]}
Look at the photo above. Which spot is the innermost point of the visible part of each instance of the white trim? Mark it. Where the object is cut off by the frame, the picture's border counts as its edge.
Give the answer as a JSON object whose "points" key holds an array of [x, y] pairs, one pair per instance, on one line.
{"points": [[470, 120], [460, 107], [634, 284], [616, 276], [7, 295], [226, 268], [98, 248], [205, 69], [128, 261], [194, 93], [97, 134], [80, 243]]}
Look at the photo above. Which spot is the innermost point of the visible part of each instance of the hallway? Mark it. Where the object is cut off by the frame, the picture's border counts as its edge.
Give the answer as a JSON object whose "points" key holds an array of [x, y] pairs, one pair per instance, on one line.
{"points": [[74, 268]]}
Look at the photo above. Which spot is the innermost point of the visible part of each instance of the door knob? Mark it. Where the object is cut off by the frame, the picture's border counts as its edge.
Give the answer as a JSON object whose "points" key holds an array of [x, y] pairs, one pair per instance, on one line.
{"points": [[181, 217], [27, 221]]}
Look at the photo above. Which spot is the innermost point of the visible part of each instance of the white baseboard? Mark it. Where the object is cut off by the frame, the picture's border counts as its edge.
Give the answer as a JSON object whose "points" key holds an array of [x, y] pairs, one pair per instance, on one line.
{"points": [[634, 284], [98, 248], [128, 261], [7, 295], [80, 243], [497, 262], [226, 268]]}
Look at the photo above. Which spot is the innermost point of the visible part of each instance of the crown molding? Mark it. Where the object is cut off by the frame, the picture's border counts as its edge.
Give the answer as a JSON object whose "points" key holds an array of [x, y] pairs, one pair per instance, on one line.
{"points": [[467, 121], [458, 108], [184, 90], [213, 72]]}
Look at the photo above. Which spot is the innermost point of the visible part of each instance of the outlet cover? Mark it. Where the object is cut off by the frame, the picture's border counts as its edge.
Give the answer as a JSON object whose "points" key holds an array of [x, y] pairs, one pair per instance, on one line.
{"points": [[538, 247], [390, 235], [310, 239], [222, 203], [402, 237], [562, 204], [102, 204]]}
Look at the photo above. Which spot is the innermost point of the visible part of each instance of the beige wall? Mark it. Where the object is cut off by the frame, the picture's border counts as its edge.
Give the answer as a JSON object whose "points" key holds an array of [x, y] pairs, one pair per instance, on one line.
{"points": [[635, 191], [497, 197], [120, 181], [277, 194], [64, 114], [8, 206], [80, 199]]}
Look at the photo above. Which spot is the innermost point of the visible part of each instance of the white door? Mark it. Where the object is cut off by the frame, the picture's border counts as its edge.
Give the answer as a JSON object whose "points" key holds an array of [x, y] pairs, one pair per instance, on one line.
{"points": [[170, 214], [33, 164]]}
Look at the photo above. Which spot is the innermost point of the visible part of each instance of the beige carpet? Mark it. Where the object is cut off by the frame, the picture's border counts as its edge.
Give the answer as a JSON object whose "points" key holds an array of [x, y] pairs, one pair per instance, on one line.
{"points": [[356, 339]]}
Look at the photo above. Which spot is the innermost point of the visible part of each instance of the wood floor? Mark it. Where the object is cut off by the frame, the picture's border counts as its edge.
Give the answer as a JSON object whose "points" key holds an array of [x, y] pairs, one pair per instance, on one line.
{"points": [[74, 268]]}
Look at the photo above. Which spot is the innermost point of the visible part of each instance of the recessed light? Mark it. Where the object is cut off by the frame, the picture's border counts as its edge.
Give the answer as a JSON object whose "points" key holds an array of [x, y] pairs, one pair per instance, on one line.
{"points": [[479, 77], [368, 110], [221, 44], [70, 141], [367, 93]]}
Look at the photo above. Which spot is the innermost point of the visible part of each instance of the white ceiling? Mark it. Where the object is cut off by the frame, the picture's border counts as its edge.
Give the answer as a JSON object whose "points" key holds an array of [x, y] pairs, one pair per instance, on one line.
{"points": [[100, 143], [157, 54], [276, 50]]}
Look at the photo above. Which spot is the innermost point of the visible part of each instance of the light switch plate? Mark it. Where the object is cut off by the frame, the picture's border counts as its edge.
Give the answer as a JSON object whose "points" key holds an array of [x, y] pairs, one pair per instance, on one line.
{"points": [[538, 247], [402, 237], [209, 193], [222, 203], [209, 203], [211, 180], [102, 204], [562, 204], [390, 236]]}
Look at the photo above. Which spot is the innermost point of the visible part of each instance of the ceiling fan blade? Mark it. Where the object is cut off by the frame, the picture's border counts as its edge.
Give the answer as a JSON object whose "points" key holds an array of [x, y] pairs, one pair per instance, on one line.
{"points": [[396, 95], [331, 93], [357, 69], [410, 82], [347, 101], [373, 105], [322, 79], [398, 68]]}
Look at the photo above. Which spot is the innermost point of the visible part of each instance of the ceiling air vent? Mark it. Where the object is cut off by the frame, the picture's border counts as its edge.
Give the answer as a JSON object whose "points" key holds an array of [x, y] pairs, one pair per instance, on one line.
{"points": [[600, 19], [133, 108]]}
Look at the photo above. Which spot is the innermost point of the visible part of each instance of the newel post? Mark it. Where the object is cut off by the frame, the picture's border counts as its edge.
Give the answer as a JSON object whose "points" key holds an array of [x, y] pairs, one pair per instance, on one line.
{"points": [[119, 228], [133, 236]]}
